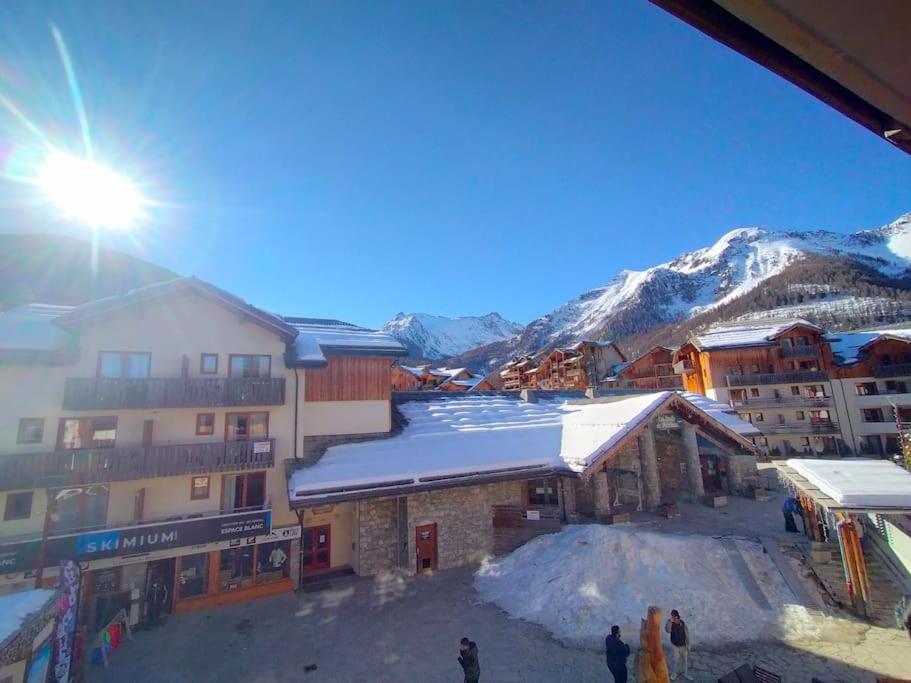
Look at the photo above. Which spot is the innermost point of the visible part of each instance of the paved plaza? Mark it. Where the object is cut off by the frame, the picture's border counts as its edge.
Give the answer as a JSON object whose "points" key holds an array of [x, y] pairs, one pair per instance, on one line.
{"points": [[393, 628]]}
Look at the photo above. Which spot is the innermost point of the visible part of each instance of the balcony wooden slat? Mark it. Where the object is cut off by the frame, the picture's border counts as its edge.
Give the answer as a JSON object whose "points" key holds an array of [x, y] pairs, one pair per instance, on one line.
{"points": [[777, 378], [102, 465], [897, 370], [97, 393]]}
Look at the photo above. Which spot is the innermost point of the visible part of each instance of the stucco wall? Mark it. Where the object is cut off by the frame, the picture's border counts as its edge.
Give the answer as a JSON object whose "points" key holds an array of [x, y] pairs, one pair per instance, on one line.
{"points": [[343, 539], [318, 418]]}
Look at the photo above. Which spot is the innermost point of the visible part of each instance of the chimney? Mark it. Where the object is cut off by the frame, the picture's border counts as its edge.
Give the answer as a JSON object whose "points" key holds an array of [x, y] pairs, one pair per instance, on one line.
{"points": [[528, 395]]}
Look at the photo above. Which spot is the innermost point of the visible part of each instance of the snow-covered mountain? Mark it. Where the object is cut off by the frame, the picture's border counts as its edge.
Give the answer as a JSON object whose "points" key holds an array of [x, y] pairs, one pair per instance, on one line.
{"points": [[636, 301], [434, 336]]}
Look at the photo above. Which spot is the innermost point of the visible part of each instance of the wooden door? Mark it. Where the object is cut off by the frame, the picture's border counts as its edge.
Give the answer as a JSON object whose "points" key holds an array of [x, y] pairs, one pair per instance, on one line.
{"points": [[426, 543], [711, 474], [316, 548]]}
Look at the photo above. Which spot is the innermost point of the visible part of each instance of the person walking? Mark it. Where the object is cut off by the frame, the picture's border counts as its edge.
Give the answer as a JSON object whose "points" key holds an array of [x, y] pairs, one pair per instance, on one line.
{"points": [[616, 652], [788, 509], [468, 658], [680, 640], [156, 597]]}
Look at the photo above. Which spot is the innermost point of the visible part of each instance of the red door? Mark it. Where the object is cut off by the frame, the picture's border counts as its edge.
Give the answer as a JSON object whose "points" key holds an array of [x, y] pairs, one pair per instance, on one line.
{"points": [[426, 542], [315, 548]]}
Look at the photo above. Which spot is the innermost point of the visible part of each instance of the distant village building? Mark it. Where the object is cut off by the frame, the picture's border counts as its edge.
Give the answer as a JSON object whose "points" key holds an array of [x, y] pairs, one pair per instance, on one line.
{"points": [[418, 378], [581, 366], [654, 369]]}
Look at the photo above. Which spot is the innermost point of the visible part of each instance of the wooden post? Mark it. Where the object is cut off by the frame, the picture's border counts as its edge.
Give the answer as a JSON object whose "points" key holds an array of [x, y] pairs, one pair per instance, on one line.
{"points": [[651, 666]]}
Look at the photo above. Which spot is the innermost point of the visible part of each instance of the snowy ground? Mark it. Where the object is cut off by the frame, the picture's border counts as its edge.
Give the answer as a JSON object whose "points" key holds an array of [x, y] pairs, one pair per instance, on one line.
{"points": [[579, 582]]}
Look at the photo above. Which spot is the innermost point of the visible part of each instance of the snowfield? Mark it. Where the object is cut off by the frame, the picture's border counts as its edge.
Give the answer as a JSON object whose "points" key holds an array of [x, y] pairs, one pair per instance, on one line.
{"points": [[579, 582]]}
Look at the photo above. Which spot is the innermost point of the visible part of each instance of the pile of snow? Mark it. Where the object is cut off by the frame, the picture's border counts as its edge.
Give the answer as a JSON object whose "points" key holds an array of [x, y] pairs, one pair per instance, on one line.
{"points": [[579, 582], [15, 608]]}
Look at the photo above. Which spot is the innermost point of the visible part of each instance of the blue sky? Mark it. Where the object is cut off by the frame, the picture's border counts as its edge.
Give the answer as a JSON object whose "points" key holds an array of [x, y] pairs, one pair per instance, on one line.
{"points": [[356, 159]]}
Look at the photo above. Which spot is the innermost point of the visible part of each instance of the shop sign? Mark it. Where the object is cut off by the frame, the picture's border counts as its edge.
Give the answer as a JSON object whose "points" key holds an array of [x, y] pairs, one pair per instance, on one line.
{"points": [[533, 514], [16, 557], [262, 446]]}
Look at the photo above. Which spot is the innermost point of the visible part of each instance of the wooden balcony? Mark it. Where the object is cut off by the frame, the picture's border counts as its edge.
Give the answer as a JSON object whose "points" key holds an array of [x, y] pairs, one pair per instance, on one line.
{"points": [[809, 351], [684, 367], [670, 382], [898, 370], [95, 393], [777, 378], [99, 465], [783, 401], [802, 427]]}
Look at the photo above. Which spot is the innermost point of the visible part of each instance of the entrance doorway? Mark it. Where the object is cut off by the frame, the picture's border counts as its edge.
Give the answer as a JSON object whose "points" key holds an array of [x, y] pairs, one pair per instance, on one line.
{"points": [[163, 570], [711, 473], [426, 543], [316, 548]]}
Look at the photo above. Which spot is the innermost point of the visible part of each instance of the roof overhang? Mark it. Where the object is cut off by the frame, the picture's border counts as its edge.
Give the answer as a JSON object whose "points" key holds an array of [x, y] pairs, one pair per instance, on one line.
{"points": [[809, 489], [851, 55]]}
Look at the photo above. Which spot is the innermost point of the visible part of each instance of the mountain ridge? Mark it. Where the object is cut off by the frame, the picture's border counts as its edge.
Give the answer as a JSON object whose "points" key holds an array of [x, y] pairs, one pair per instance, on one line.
{"points": [[434, 337]]}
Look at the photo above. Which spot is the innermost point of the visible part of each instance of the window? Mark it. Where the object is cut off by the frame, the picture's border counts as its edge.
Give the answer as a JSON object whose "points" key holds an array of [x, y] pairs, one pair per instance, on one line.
{"points": [[542, 492], [755, 369], [801, 415], [815, 391], [795, 391], [780, 419], [87, 432], [892, 445], [243, 491], [272, 561], [758, 417], [208, 364], [235, 568], [786, 342], [114, 364], [805, 442], [820, 417], [762, 441], [896, 387], [18, 506], [31, 430], [199, 488], [249, 366], [205, 424], [803, 341], [866, 389], [239, 426], [872, 414], [193, 575], [735, 370], [78, 508], [754, 392]]}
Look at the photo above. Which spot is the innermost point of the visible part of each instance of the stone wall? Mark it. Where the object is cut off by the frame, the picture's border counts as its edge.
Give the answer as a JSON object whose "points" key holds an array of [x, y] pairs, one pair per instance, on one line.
{"points": [[464, 519], [670, 456], [377, 536], [742, 473]]}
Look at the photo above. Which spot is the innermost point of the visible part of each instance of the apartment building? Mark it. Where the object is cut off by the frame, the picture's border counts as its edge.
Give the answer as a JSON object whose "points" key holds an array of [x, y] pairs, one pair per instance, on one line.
{"points": [[583, 365], [871, 383], [776, 374], [142, 435], [653, 370]]}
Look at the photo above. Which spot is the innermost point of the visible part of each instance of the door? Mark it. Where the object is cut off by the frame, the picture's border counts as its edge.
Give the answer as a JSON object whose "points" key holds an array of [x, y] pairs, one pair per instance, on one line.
{"points": [[316, 548], [163, 570], [711, 474], [426, 543]]}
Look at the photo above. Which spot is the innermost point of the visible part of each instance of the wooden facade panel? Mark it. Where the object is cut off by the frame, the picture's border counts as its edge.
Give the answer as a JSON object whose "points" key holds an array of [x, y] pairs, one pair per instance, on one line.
{"points": [[350, 378], [894, 351]]}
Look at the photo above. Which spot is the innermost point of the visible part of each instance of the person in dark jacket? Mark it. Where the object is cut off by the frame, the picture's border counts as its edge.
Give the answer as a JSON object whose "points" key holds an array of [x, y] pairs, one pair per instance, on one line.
{"points": [[156, 598], [680, 640], [616, 652], [788, 509], [468, 658]]}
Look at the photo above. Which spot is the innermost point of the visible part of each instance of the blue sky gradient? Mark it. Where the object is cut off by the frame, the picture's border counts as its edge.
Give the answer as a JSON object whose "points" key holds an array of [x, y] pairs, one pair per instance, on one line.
{"points": [[355, 159]]}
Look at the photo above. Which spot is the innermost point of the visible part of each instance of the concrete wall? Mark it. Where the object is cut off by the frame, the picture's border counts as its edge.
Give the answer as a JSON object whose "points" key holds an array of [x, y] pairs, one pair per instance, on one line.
{"points": [[319, 418]]}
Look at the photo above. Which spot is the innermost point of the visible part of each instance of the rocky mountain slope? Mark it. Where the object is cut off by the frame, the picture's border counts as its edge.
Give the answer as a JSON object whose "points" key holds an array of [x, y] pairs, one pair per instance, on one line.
{"points": [[634, 303], [435, 337], [37, 268]]}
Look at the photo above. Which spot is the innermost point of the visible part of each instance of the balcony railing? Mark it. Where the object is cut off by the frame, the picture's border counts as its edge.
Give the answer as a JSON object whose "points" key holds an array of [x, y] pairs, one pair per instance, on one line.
{"points": [[798, 351], [95, 393], [784, 401], [804, 427], [898, 370], [684, 366], [777, 378], [99, 465], [670, 382]]}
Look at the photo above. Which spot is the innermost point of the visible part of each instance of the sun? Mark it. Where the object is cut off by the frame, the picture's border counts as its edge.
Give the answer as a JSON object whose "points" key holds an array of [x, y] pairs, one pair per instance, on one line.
{"points": [[90, 192]]}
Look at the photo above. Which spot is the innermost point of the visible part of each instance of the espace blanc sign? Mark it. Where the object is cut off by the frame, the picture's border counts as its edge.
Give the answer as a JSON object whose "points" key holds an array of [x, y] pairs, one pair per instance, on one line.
{"points": [[139, 539]]}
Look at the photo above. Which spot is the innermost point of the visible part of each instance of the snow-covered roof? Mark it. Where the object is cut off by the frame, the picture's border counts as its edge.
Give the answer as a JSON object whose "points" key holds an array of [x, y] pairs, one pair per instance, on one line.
{"points": [[722, 412], [446, 372], [32, 328], [847, 346], [318, 338], [759, 333], [463, 435], [464, 382], [15, 609], [858, 482], [416, 371]]}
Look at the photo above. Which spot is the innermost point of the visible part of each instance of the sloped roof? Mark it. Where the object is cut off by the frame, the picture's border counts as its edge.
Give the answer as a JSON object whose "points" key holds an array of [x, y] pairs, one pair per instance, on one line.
{"points": [[847, 347], [737, 335], [453, 438], [317, 339], [33, 328], [722, 412], [416, 371], [113, 305]]}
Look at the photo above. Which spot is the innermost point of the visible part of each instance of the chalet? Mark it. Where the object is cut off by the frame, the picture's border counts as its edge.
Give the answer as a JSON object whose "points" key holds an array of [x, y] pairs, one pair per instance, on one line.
{"points": [[774, 373], [407, 378], [512, 373], [470, 473], [653, 370], [871, 381], [150, 441], [489, 382]]}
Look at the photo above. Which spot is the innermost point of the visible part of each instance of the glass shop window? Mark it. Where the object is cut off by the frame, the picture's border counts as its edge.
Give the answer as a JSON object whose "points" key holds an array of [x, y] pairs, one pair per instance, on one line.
{"points": [[273, 561], [193, 579], [235, 568]]}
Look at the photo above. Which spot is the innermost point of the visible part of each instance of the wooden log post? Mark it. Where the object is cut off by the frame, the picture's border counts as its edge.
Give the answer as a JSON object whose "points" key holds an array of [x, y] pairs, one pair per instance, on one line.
{"points": [[651, 666]]}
